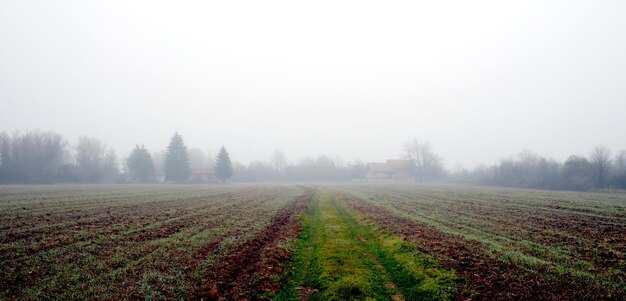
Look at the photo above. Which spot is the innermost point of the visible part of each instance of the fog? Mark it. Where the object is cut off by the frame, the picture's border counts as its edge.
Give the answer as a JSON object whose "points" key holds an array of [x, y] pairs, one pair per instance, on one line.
{"points": [[481, 80]]}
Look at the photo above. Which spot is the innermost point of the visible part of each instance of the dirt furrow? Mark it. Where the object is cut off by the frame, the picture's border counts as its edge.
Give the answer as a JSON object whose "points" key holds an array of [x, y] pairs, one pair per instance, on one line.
{"points": [[486, 278], [248, 272]]}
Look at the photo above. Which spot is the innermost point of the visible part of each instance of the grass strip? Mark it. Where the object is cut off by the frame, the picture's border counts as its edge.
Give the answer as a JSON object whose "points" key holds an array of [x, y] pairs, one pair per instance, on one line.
{"points": [[340, 255]]}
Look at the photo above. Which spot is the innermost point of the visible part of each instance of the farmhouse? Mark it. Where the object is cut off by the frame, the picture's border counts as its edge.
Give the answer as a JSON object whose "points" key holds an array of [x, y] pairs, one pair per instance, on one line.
{"points": [[201, 175], [392, 170]]}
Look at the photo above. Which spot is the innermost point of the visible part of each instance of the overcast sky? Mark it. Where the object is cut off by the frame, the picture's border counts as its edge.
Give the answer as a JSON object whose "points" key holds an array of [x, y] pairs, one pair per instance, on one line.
{"points": [[481, 80]]}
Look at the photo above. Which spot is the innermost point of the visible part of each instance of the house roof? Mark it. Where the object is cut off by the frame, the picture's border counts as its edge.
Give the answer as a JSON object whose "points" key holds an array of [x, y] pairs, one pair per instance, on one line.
{"points": [[390, 166], [379, 167]]}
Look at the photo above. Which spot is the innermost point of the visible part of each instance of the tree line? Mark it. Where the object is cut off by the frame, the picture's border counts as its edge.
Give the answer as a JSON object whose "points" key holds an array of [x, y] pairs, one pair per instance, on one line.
{"points": [[46, 157], [41, 157], [428, 167], [598, 170], [320, 168]]}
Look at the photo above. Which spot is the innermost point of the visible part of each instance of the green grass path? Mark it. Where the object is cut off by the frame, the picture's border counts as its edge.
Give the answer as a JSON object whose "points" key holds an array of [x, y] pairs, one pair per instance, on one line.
{"points": [[341, 255]]}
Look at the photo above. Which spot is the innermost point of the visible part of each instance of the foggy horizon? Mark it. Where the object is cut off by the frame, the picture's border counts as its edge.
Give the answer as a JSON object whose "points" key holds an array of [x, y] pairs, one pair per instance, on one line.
{"points": [[480, 81]]}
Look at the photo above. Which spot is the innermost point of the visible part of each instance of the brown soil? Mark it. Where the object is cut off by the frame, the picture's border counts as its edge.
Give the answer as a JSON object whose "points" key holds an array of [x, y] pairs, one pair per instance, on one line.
{"points": [[485, 277], [86, 228], [594, 239], [255, 269]]}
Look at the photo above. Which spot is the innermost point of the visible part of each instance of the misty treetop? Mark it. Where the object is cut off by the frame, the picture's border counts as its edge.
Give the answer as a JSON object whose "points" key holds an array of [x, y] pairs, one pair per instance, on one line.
{"points": [[45, 157], [427, 164], [599, 170], [95, 161], [139, 164], [223, 166], [33, 157], [177, 160]]}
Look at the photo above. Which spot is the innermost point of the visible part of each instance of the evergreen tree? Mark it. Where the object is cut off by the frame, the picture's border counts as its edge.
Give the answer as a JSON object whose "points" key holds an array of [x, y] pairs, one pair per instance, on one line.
{"points": [[223, 166], [140, 165], [177, 160]]}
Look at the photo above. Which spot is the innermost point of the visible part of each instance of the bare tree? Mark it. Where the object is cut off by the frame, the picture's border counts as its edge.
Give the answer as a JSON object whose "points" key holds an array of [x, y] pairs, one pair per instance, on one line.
{"points": [[619, 170], [413, 151], [620, 162], [5, 143], [110, 168], [279, 160], [32, 157], [427, 163], [577, 173], [325, 168], [95, 161], [601, 160]]}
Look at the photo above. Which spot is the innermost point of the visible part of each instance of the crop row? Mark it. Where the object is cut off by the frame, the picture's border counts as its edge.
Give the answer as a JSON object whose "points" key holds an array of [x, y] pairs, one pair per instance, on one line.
{"points": [[294, 242], [142, 242], [567, 244]]}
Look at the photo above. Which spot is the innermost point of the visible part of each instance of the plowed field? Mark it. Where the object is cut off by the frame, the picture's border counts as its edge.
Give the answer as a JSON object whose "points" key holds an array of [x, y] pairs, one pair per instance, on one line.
{"points": [[310, 242]]}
